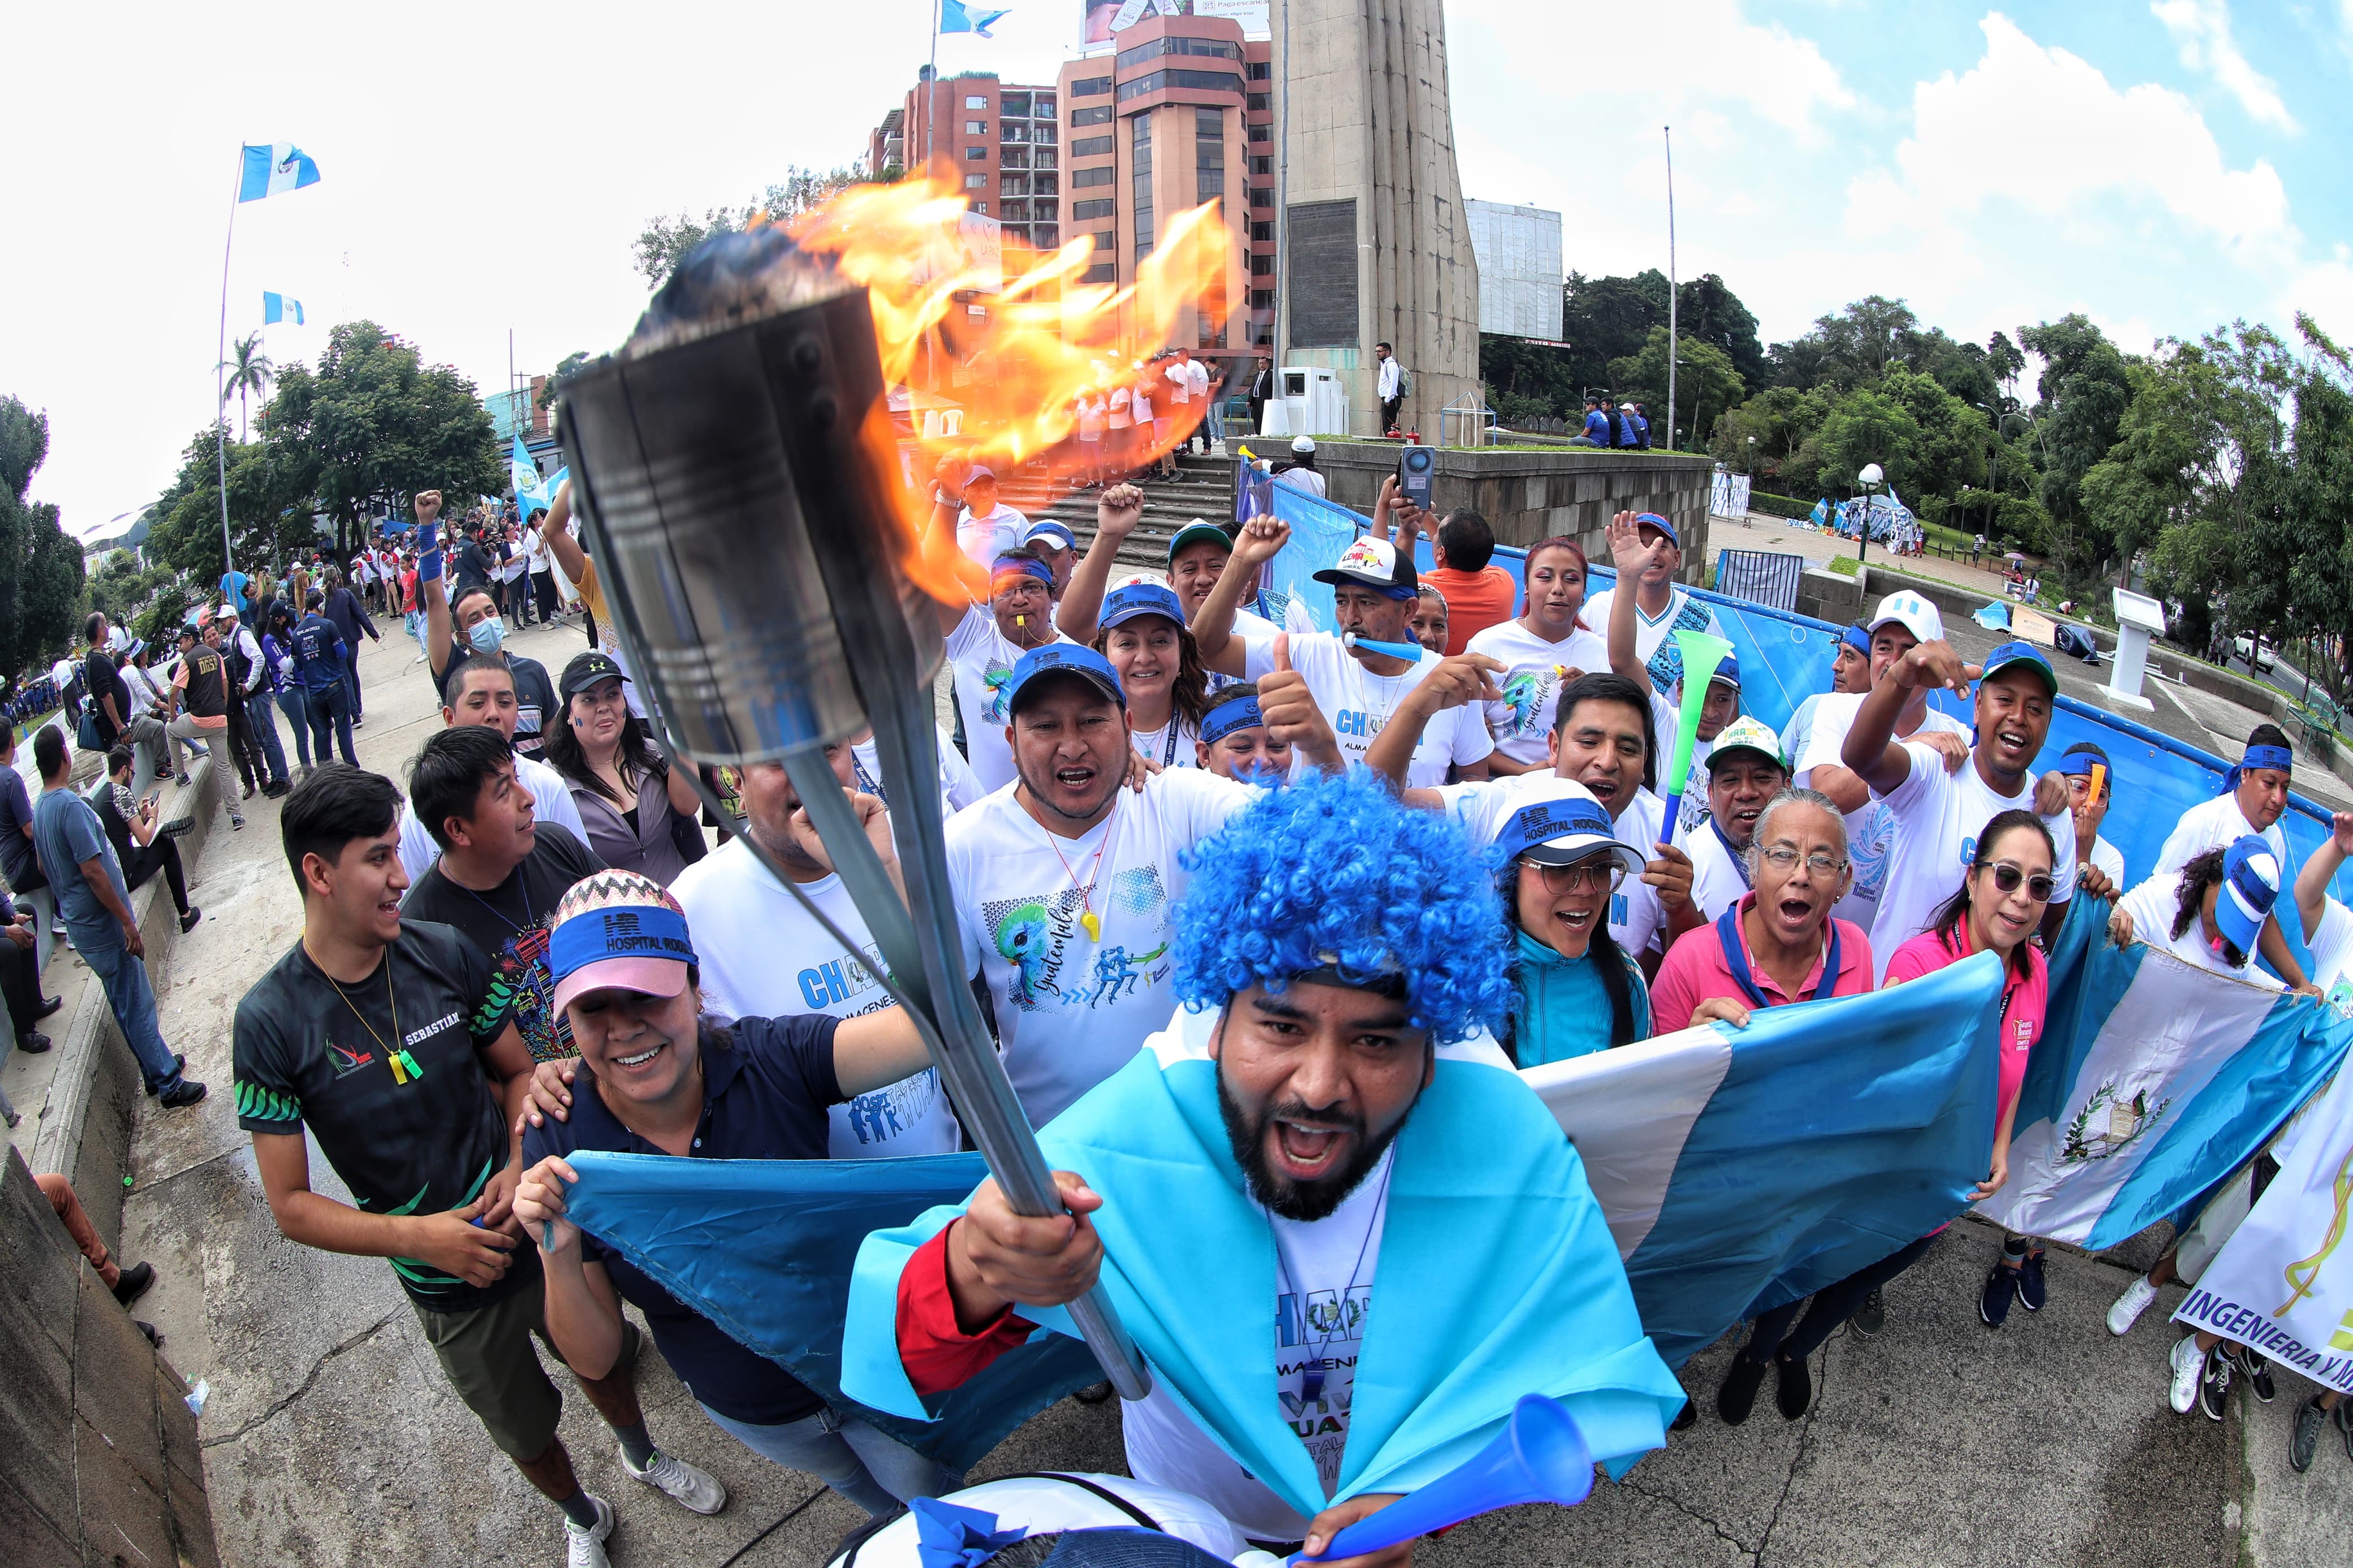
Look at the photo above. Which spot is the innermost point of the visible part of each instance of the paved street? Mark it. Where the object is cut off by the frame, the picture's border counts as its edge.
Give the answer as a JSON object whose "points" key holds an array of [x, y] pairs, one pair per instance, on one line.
{"points": [[331, 1438]]}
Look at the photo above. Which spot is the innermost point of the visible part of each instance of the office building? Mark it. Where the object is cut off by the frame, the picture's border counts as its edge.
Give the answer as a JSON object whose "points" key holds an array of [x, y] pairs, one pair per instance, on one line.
{"points": [[999, 141]]}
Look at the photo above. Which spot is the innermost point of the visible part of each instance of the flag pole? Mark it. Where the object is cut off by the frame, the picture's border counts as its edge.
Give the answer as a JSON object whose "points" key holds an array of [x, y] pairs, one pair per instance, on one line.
{"points": [[220, 356], [1668, 131]]}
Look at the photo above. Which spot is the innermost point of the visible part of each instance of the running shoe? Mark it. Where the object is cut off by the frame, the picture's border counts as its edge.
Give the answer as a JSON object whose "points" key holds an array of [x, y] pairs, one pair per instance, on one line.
{"points": [[692, 1488], [2214, 1381], [2032, 1293], [2000, 1290], [2258, 1370], [1872, 1316], [2131, 1305], [2303, 1438], [2343, 1415], [585, 1548], [2186, 1362]]}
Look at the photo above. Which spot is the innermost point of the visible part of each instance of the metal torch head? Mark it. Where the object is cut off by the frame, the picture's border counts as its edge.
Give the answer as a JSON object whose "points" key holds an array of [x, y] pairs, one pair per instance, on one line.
{"points": [[744, 493]]}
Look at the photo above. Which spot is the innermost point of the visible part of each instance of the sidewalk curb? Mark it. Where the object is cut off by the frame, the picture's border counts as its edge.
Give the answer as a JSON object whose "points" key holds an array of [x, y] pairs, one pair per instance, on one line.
{"points": [[86, 1117]]}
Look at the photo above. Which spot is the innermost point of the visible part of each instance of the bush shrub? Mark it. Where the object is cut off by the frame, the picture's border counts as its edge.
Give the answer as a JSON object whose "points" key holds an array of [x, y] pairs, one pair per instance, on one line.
{"points": [[1780, 506], [1844, 565]]}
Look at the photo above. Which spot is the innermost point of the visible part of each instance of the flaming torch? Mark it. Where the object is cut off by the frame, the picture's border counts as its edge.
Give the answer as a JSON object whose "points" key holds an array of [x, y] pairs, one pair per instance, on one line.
{"points": [[768, 561]]}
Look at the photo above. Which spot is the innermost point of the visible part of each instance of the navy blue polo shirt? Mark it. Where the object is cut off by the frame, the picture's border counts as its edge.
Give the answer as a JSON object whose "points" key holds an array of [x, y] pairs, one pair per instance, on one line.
{"points": [[763, 1098]]}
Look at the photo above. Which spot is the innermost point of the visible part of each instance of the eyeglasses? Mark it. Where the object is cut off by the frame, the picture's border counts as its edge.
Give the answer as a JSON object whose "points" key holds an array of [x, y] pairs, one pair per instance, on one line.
{"points": [[2006, 877], [1585, 875], [1781, 858]]}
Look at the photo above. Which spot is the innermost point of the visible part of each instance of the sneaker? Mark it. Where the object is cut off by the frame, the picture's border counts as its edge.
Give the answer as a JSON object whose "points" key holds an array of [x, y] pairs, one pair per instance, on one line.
{"points": [[696, 1490], [177, 827], [1738, 1395], [188, 921], [2131, 1305], [2303, 1438], [187, 1092], [1794, 1389], [275, 789], [2214, 1381], [2000, 1290], [358, 722], [32, 1042], [2343, 1415], [2186, 1362], [1872, 1316], [587, 1547], [134, 1282], [182, 779], [2258, 1369], [2032, 1293], [235, 817]]}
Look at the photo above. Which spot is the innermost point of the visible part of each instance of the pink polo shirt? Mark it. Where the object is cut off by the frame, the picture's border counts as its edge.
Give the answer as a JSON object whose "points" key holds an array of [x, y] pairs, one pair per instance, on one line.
{"points": [[2024, 998], [1696, 969]]}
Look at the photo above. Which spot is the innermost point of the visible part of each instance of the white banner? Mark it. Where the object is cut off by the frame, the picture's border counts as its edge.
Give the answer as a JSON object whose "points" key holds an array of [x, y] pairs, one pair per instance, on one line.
{"points": [[2283, 1282]]}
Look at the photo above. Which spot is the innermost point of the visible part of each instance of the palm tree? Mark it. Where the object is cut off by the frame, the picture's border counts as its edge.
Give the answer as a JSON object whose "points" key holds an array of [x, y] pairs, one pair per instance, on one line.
{"points": [[249, 371]]}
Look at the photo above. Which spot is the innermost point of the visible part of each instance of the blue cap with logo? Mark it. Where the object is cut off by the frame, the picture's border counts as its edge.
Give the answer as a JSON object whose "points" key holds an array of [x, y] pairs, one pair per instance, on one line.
{"points": [[1057, 534], [1561, 832], [1643, 519], [1130, 600], [1062, 658], [2251, 875], [2012, 655]]}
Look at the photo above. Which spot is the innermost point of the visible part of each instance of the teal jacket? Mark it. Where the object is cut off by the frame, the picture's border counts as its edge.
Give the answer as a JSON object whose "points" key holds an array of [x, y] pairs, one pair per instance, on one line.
{"points": [[1564, 1011]]}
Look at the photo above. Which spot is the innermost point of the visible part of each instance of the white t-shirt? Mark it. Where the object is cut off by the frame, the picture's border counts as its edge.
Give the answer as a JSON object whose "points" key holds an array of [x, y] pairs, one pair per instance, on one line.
{"points": [[959, 785], [1062, 1502], [995, 532], [1306, 479], [762, 957], [1171, 745], [534, 549], [2217, 823], [1359, 704], [1870, 831], [1117, 415], [2109, 861], [1636, 919], [983, 661], [1249, 624], [1718, 878], [1392, 378], [1090, 412], [1533, 674], [1073, 1006], [2332, 956], [551, 801], [1936, 818], [2154, 903], [1180, 386], [1649, 632]]}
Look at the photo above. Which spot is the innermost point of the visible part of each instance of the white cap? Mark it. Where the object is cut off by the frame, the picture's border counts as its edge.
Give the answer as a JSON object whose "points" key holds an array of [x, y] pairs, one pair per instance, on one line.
{"points": [[228, 610], [1302, 443], [1917, 615]]}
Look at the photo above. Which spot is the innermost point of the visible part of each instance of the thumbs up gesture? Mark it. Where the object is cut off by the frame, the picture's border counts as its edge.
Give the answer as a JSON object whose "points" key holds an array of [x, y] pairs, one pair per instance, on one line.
{"points": [[1292, 713]]}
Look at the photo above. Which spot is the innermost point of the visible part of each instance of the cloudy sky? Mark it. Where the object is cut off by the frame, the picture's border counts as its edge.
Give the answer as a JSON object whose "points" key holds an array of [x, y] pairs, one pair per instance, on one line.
{"points": [[2164, 168]]}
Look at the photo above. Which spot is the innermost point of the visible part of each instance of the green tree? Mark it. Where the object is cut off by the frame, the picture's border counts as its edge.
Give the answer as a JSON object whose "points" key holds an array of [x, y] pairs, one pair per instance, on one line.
{"points": [[553, 387], [1705, 385], [665, 241], [269, 506], [249, 371], [1867, 427], [2085, 391], [40, 568]]}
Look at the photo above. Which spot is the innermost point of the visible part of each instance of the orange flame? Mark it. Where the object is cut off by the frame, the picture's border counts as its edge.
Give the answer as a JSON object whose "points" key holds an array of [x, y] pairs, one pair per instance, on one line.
{"points": [[1042, 340]]}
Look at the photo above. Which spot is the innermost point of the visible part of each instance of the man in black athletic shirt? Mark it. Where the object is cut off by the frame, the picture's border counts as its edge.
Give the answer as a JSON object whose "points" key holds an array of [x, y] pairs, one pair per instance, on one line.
{"points": [[383, 1036], [500, 873]]}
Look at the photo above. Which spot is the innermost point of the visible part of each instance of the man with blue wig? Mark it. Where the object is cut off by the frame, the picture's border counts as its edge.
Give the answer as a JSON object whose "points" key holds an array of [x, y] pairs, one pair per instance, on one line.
{"points": [[1325, 1119]]}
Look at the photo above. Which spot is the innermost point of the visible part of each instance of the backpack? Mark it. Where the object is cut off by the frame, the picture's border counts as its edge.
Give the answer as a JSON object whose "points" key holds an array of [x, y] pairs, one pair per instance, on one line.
{"points": [[1405, 380]]}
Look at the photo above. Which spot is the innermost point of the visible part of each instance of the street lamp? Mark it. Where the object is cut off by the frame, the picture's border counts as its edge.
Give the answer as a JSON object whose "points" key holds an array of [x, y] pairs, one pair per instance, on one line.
{"points": [[1752, 457], [1871, 479]]}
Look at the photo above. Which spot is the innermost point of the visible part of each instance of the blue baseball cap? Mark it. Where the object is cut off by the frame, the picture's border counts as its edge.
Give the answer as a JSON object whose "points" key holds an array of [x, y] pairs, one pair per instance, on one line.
{"points": [[2017, 653], [1563, 831], [2250, 877], [1130, 600], [1056, 533], [1652, 519], [1062, 658]]}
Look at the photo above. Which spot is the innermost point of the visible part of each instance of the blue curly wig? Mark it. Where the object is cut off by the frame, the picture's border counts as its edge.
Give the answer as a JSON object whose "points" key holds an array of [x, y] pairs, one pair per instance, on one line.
{"points": [[1337, 867]]}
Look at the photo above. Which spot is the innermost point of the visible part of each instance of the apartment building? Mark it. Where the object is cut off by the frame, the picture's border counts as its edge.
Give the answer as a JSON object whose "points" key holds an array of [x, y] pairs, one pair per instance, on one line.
{"points": [[1000, 141]]}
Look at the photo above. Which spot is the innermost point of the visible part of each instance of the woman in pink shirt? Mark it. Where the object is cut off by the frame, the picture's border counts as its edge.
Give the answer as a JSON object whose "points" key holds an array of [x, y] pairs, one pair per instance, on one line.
{"points": [[2000, 904]]}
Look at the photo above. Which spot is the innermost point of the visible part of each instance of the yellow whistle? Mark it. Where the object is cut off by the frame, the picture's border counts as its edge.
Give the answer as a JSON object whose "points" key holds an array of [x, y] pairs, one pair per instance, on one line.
{"points": [[1093, 922]]}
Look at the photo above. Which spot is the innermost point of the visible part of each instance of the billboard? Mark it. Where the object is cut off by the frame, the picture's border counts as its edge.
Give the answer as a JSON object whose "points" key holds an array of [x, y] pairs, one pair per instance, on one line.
{"points": [[1518, 250], [1101, 20]]}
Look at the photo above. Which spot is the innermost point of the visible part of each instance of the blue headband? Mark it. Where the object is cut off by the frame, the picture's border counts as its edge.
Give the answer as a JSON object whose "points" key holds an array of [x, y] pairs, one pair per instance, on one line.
{"points": [[1028, 565], [1858, 639], [1234, 714], [2278, 757], [637, 930]]}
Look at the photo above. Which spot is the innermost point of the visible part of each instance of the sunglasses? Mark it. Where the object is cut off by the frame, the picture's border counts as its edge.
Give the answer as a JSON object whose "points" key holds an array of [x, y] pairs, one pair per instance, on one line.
{"points": [[1585, 875], [2006, 877]]}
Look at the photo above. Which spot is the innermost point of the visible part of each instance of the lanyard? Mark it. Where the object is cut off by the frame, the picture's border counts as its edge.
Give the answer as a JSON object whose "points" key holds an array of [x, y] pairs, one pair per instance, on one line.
{"points": [[1739, 863], [1311, 1378], [1736, 959], [1168, 751], [867, 783]]}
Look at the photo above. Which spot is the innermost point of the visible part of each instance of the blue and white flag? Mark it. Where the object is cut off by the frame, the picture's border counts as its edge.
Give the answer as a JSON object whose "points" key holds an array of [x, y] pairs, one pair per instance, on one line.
{"points": [[1743, 1169], [277, 308], [2153, 1081], [522, 474], [274, 170], [957, 17]]}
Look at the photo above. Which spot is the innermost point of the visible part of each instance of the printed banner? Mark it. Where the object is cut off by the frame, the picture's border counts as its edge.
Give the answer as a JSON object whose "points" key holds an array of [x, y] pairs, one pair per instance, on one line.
{"points": [[2283, 1284]]}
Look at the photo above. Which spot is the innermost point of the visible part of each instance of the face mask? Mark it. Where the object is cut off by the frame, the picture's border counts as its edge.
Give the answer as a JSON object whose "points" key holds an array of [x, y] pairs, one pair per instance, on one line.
{"points": [[488, 633]]}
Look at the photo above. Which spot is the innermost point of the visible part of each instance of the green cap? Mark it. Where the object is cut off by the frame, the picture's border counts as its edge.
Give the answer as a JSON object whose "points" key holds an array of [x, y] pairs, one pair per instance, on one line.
{"points": [[1193, 532]]}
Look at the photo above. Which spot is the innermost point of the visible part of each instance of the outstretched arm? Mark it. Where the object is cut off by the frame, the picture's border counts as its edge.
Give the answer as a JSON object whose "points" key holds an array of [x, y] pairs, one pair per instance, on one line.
{"points": [[1213, 623], [1465, 678], [429, 583], [1632, 558], [2319, 867], [1117, 511], [1871, 750]]}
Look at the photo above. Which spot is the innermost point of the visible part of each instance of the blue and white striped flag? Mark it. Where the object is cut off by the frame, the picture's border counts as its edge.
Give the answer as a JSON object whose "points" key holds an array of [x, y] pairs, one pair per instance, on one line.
{"points": [[274, 170], [2153, 1081], [277, 308], [1743, 1169], [955, 16]]}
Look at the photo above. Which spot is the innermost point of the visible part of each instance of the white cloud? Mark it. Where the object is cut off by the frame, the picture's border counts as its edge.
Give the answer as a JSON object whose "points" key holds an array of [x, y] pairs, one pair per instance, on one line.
{"points": [[2202, 30]]}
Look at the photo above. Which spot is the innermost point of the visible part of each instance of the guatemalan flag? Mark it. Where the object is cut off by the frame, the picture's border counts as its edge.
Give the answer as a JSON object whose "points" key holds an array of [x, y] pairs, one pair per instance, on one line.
{"points": [[274, 170], [2154, 1081], [955, 16], [277, 308]]}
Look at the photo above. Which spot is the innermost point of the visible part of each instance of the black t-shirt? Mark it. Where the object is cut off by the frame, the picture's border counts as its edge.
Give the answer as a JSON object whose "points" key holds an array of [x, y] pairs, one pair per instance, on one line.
{"points": [[207, 683], [536, 703], [764, 1098], [101, 680], [510, 924], [475, 563], [390, 1083]]}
